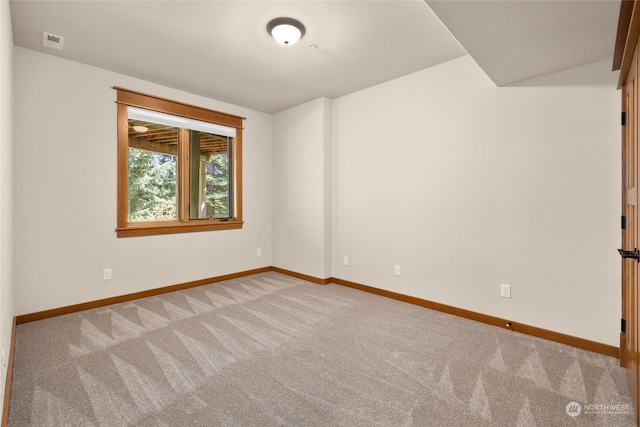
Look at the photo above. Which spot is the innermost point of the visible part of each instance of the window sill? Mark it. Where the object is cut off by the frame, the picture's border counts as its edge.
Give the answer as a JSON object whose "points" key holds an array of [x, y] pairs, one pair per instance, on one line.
{"points": [[173, 227]]}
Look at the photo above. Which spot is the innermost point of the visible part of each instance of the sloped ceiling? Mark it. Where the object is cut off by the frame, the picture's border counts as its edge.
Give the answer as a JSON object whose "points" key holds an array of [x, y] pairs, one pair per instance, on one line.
{"points": [[513, 41]]}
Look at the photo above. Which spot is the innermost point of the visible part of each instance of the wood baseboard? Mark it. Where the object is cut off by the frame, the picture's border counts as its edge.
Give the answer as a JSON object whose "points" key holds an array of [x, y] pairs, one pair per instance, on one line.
{"points": [[31, 317], [596, 347], [582, 343], [9, 380], [302, 276]]}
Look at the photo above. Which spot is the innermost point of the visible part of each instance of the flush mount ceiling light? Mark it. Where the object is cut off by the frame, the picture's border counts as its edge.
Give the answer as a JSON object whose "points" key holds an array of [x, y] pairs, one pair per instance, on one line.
{"points": [[140, 129], [285, 31]]}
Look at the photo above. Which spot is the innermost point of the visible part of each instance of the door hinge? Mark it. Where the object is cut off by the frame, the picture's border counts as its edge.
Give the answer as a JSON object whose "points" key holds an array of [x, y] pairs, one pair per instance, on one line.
{"points": [[634, 254], [623, 325], [624, 118], [623, 222]]}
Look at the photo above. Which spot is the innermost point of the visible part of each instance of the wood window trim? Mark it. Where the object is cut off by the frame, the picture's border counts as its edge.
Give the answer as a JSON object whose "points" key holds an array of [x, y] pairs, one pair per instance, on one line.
{"points": [[126, 98]]}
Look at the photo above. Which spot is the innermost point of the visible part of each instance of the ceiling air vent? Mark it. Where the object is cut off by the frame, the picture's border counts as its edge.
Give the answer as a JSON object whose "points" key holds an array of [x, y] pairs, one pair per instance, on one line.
{"points": [[51, 40]]}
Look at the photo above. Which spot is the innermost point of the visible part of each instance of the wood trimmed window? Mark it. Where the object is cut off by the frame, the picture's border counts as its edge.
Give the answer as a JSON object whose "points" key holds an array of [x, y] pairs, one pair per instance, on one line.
{"points": [[179, 167]]}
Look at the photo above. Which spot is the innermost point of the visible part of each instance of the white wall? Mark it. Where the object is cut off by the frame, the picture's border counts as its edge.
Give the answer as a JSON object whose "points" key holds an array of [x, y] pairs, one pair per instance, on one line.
{"points": [[6, 186], [463, 184], [302, 188], [467, 186], [65, 192]]}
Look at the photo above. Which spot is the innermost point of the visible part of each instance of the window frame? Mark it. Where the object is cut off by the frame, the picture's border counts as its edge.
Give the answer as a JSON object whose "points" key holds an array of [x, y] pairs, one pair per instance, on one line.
{"points": [[183, 224]]}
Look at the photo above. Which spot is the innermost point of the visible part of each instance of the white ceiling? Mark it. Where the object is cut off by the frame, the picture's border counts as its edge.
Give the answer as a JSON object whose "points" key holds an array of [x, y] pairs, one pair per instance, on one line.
{"points": [[519, 40], [221, 49]]}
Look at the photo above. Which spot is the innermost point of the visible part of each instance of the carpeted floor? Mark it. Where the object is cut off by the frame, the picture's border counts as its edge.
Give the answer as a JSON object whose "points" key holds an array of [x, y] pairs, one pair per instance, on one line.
{"points": [[271, 350]]}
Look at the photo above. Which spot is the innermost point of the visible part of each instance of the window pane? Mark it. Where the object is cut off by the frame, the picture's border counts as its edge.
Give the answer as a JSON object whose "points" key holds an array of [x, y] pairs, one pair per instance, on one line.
{"points": [[209, 172], [153, 160]]}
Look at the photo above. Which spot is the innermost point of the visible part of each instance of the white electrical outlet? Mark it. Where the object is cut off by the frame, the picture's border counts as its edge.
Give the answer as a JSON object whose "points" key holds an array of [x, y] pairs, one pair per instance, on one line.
{"points": [[396, 270], [259, 252], [106, 274], [505, 291], [345, 260]]}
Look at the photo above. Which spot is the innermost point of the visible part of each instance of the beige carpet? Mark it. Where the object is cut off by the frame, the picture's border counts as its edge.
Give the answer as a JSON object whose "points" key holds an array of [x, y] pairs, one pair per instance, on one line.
{"points": [[271, 350]]}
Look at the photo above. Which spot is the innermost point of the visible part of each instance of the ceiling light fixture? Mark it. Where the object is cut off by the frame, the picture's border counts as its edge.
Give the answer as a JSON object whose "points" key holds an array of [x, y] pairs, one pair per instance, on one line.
{"points": [[285, 31], [141, 129]]}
